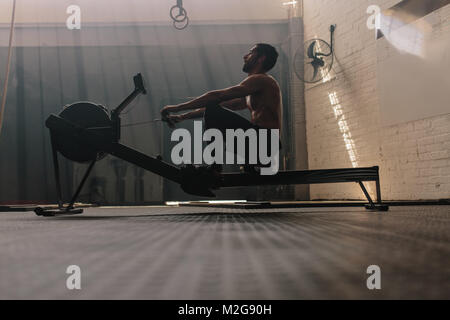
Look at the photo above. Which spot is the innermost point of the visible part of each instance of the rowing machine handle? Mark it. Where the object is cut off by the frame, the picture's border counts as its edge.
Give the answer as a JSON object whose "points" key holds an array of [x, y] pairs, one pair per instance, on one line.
{"points": [[169, 122], [139, 83]]}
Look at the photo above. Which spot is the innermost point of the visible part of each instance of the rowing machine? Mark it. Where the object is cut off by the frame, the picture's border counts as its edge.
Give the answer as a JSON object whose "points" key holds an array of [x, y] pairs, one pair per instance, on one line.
{"points": [[86, 132]]}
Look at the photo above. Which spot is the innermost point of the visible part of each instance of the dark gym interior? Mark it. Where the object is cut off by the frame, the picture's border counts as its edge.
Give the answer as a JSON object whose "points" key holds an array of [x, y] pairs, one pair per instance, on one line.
{"points": [[358, 207]]}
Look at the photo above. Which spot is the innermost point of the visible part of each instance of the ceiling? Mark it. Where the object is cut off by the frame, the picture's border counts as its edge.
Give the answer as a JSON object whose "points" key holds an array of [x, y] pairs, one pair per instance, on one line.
{"points": [[142, 11]]}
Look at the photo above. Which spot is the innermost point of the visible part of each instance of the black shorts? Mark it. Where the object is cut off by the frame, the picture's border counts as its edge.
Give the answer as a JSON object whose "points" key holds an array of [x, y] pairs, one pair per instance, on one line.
{"points": [[220, 118]]}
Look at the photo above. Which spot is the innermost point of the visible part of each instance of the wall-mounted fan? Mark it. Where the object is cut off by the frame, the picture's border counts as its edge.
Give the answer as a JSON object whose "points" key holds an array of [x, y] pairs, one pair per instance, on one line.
{"points": [[314, 60]]}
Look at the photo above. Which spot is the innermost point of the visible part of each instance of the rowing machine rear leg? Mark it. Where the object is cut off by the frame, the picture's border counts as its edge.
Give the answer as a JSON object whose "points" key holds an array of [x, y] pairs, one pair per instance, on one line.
{"points": [[379, 206]]}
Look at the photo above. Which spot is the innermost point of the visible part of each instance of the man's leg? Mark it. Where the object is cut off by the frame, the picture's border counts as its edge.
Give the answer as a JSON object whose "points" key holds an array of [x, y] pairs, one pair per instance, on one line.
{"points": [[222, 119]]}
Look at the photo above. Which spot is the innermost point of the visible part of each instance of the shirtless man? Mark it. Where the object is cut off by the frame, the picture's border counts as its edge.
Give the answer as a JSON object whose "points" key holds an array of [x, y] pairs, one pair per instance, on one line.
{"points": [[259, 92]]}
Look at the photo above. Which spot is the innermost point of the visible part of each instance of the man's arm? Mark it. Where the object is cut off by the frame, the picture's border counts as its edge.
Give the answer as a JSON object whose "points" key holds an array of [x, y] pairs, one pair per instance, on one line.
{"points": [[192, 115], [249, 86], [235, 104]]}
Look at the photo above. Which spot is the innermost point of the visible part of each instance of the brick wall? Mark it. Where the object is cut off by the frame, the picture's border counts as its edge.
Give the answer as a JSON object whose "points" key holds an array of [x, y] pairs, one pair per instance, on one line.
{"points": [[343, 115]]}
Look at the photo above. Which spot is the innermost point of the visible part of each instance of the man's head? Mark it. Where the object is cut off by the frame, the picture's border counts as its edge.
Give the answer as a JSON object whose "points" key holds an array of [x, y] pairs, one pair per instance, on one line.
{"points": [[261, 58]]}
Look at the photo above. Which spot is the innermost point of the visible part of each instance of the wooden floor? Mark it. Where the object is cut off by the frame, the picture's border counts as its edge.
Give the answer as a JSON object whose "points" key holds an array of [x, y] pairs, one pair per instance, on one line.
{"points": [[220, 253]]}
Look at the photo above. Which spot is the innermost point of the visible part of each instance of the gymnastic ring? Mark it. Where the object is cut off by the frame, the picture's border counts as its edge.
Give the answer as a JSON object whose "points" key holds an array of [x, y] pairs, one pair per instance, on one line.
{"points": [[183, 26], [182, 14]]}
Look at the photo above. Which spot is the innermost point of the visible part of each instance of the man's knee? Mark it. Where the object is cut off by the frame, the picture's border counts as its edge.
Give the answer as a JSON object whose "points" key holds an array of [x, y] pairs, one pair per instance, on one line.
{"points": [[211, 117]]}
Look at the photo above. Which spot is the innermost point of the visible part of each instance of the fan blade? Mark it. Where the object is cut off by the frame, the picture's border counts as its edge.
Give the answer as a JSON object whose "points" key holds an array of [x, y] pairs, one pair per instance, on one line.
{"points": [[316, 70], [311, 50]]}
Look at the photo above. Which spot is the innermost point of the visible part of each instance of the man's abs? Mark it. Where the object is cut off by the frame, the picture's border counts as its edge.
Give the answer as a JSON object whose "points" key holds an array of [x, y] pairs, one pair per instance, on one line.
{"points": [[265, 112]]}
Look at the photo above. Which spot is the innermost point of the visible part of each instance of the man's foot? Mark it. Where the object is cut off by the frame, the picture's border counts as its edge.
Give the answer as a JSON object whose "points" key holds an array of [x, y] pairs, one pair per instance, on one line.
{"points": [[250, 169], [215, 168]]}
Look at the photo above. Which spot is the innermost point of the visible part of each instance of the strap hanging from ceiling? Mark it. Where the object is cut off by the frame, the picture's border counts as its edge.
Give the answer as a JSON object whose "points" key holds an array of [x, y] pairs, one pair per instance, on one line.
{"points": [[8, 64]]}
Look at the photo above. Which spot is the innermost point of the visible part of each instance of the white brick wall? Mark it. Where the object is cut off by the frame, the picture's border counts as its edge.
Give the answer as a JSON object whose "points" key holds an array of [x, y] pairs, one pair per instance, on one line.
{"points": [[414, 157]]}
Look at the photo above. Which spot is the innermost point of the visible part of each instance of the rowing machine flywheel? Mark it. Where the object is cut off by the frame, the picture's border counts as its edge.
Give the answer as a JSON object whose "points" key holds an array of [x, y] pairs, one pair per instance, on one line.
{"points": [[89, 116]]}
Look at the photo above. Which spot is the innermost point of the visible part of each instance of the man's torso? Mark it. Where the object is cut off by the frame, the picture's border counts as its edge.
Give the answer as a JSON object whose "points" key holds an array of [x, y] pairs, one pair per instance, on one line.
{"points": [[265, 105]]}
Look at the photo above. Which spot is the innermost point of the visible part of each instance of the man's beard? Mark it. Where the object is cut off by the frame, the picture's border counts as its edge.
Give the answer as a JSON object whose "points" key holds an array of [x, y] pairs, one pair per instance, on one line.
{"points": [[248, 66]]}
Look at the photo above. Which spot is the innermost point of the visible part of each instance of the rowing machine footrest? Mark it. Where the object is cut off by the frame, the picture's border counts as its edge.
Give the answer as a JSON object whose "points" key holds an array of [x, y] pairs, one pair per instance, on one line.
{"points": [[199, 181]]}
